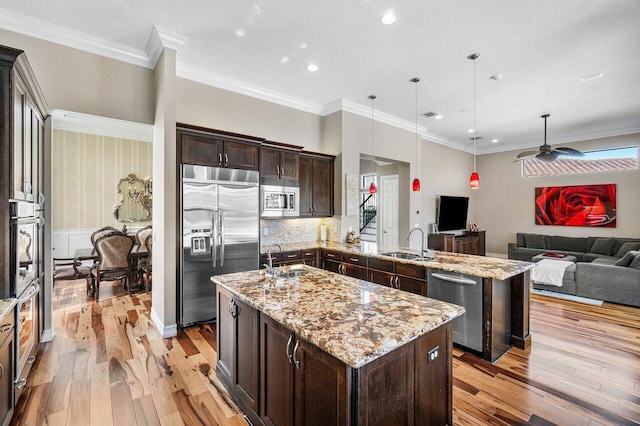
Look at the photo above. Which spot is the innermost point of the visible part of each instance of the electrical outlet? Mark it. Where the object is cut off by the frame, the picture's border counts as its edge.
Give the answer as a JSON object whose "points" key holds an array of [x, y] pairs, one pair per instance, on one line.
{"points": [[265, 231], [432, 355], [308, 229]]}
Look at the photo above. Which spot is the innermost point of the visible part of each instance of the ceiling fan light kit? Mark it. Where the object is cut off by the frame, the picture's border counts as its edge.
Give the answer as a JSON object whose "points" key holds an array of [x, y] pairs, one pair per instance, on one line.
{"points": [[545, 153], [474, 179]]}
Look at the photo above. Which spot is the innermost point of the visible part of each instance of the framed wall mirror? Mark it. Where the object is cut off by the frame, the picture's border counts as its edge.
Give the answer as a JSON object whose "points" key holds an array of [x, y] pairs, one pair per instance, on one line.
{"points": [[136, 204]]}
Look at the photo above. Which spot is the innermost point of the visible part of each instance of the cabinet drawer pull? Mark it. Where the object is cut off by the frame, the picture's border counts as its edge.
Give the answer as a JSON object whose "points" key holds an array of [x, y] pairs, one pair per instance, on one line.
{"points": [[309, 254], [1, 371], [331, 255], [353, 259], [293, 355], [277, 170], [219, 158], [226, 159], [291, 256], [31, 359], [289, 356], [397, 285], [391, 281], [281, 171], [5, 327], [20, 384]]}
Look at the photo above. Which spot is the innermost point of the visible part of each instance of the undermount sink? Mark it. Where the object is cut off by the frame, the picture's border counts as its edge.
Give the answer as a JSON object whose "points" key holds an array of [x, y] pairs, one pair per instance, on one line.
{"points": [[292, 273], [402, 255]]}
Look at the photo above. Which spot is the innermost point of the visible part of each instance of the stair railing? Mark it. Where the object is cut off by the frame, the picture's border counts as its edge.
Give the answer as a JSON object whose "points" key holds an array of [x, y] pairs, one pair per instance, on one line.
{"points": [[367, 211]]}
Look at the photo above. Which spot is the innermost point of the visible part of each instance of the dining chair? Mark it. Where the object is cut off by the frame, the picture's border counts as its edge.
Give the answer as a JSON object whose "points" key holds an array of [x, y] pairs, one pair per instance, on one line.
{"points": [[142, 234], [145, 269], [114, 251], [65, 269], [100, 232]]}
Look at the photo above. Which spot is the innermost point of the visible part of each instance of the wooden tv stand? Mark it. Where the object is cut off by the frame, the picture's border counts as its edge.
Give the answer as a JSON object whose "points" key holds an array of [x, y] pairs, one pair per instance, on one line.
{"points": [[469, 243]]}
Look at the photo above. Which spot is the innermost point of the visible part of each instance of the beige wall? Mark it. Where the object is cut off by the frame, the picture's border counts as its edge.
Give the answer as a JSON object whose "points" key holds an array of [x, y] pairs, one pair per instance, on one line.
{"points": [[85, 172], [207, 106], [75, 80], [504, 203]]}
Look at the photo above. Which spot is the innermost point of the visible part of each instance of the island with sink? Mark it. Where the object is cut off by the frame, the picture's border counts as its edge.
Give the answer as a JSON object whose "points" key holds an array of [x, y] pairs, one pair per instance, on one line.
{"points": [[303, 345], [495, 292]]}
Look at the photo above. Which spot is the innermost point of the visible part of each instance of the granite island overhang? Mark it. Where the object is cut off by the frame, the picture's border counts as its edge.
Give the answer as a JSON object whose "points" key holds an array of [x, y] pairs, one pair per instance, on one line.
{"points": [[348, 349]]}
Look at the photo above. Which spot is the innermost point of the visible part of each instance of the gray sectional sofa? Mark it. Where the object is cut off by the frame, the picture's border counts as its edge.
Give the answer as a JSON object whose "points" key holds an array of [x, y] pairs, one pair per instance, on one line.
{"points": [[607, 268]]}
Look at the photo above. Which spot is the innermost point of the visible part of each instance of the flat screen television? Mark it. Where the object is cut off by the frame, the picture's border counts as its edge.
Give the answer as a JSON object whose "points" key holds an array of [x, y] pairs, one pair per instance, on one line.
{"points": [[452, 213]]}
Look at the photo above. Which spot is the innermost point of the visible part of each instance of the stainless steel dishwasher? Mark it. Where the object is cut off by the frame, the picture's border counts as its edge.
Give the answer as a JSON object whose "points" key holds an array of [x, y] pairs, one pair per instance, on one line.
{"points": [[463, 290]]}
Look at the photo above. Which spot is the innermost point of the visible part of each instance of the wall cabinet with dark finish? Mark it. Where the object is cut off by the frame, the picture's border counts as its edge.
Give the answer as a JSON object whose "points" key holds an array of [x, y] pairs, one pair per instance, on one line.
{"points": [[279, 163], [316, 185], [206, 147], [469, 243], [238, 351]]}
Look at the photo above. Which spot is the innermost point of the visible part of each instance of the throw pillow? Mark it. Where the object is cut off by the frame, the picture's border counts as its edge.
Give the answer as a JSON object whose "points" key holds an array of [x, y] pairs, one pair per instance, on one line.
{"points": [[535, 241], [602, 246], [627, 258], [628, 246], [635, 263]]}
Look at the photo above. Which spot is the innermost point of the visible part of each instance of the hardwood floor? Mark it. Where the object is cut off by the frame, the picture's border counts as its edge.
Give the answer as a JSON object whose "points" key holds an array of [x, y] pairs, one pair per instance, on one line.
{"points": [[108, 364]]}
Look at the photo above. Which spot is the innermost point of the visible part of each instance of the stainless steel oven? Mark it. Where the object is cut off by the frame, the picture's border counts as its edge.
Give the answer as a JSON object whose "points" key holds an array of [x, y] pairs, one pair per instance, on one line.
{"points": [[26, 332], [23, 242], [279, 201]]}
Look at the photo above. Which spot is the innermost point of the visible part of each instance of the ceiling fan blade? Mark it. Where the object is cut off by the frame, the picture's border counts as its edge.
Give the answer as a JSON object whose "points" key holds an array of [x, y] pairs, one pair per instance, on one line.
{"points": [[563, 150], [526, 154]]}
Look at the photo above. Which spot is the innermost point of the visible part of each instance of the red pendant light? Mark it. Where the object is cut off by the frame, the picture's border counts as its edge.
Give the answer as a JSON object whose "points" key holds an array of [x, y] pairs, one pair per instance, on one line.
{"points": [[372, 187], [415, 186], [474, 179]]}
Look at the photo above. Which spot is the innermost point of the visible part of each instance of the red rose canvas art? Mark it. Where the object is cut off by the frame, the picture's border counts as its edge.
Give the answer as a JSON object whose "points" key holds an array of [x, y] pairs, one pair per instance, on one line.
{"points": [[584, 205]]}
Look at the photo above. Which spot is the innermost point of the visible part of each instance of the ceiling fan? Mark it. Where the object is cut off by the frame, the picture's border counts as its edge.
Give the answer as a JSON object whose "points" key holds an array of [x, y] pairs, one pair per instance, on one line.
{"points": [[545, 153]]}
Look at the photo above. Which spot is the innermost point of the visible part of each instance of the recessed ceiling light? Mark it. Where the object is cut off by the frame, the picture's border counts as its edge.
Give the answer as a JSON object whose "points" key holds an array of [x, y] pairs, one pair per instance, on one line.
{"points": [[495, 140], [470, 131], [388, 18], [284, 59], [496, 77], [312, 67], [303, 45], [239, 33], [591, 77], [438, 117]]}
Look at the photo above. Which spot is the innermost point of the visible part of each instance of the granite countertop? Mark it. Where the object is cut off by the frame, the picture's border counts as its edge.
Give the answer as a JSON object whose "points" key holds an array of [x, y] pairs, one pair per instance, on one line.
{"points": [[479, 266], [354, 320], [6, 307]]}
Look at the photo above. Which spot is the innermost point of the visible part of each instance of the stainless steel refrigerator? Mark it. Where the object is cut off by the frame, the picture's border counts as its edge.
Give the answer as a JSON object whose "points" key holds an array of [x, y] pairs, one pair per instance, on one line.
{"points": [[220, 234]]}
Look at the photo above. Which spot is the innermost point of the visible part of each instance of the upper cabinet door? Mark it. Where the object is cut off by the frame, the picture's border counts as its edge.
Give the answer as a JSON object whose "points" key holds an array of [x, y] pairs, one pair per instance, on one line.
{"points": [[322, 204], [289, 165], [306, 167], [201, 150], [238, 155], [19, 128], [269, 163]]}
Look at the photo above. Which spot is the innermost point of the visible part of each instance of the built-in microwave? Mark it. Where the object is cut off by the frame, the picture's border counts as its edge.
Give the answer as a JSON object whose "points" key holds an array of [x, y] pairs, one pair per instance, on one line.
{"points": [[279, 201]]}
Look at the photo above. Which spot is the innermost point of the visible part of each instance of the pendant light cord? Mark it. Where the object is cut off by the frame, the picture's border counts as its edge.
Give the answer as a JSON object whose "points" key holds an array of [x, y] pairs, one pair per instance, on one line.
{"points": [[474, 114], [372, 97], [416, 81]]}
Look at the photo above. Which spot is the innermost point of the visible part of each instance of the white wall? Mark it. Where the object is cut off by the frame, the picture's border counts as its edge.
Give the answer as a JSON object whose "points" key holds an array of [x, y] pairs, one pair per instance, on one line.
{"points": [[504, 203]]}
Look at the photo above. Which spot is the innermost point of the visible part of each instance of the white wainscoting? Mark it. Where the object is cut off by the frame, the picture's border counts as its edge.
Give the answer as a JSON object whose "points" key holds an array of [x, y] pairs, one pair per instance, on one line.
{"points": [[65, 242]]}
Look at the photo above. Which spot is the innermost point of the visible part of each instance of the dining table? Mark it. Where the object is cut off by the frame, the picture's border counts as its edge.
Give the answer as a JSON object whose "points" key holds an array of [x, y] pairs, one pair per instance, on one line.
{"points": [[89, 253]]}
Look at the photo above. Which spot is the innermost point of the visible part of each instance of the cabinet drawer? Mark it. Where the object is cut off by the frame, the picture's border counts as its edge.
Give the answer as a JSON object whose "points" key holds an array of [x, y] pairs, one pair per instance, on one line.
{"points": [[275, 258], [381, 264], [354, 271], [354, 259], [6, 328], [410, 270], [380, 277], [309, 254], [290, 256], [331, 255]]}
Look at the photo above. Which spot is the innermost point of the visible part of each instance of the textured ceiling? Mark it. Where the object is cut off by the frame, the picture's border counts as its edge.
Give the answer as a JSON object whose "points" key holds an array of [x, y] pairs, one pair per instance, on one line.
{"points": [[542, 48]]}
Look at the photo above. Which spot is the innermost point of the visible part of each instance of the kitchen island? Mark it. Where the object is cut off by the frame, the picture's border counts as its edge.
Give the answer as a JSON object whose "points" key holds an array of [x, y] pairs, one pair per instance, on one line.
{"points": [[315, 347]]}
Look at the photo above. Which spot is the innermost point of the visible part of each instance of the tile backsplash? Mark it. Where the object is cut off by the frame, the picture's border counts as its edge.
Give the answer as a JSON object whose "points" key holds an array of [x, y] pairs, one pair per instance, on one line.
{"points": [[298, 230]]}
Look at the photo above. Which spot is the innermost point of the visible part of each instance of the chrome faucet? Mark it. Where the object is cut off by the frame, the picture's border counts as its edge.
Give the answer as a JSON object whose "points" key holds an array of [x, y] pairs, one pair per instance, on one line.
{"points": [[421, 240], [269, 266]]}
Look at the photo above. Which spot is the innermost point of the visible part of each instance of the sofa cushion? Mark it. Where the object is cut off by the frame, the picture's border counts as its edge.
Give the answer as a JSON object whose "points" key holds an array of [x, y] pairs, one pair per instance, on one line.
{"points": [[627, 258], [534, 241], [568, 243], [602, 246], [606, 261], [626, 247], [635, 263], [520, 240]]}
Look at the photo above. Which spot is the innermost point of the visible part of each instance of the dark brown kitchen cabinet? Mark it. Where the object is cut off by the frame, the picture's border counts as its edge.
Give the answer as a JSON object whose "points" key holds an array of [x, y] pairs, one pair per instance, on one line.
{"points": [[316, 186], [469, 243], [238, 351], [301, 384], [310, 257], [7, 353], [399, 275], [279, 163], [217, 149]]}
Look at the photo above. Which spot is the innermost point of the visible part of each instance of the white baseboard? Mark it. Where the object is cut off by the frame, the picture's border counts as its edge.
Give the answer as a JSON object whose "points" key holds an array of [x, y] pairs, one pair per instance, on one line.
{"points": [[47, 335], [165, 331]]}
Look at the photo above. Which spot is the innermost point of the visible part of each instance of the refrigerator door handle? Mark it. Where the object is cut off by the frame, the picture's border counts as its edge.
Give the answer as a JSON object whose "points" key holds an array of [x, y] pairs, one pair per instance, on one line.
{"points": [[214, 238], [221, 217]]}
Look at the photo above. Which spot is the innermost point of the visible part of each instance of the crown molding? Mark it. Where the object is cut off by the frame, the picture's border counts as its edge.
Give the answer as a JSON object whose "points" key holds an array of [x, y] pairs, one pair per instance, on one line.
{"points": [[75, 39], [162, 38], [574, 137], [211, 79], [86, 123]]}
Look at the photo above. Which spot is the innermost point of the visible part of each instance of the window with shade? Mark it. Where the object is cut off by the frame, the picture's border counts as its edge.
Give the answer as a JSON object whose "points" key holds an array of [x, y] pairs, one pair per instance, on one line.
{"points": [[603, 160]]}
